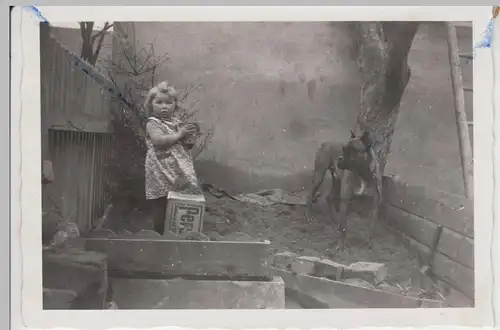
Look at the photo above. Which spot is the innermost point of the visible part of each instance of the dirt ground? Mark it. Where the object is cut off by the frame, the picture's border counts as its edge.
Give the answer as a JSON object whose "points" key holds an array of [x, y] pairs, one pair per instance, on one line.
{"points": [[286, 227]]}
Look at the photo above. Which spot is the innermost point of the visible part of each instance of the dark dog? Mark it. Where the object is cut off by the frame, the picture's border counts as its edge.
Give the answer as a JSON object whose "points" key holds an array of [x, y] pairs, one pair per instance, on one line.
{"points": [[353, 165]]}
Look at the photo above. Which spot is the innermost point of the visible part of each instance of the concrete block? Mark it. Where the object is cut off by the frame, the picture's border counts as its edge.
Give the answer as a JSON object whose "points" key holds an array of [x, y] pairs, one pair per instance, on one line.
{"points": [[83, 272], [58, 299], [198, 294], [372, 272]]}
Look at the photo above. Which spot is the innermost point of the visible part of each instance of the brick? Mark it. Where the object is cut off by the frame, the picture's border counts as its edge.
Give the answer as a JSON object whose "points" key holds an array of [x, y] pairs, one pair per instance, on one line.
{"points": [[388, 288], [58, 299], [198, 294], [308, 265], [359, 282], [304, 265], [83, 272], [284, 260], [295, 263], [329, 269], [372, 272]]}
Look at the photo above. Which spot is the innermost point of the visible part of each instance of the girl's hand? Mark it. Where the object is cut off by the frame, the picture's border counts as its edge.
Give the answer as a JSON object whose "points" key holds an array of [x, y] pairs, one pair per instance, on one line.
{"points": [[187, 130]]}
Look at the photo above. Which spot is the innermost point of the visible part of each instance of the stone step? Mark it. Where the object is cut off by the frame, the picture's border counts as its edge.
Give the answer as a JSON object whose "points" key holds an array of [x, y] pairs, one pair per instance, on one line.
{"points": [[197, 294], [78, 271], [58, 299]]}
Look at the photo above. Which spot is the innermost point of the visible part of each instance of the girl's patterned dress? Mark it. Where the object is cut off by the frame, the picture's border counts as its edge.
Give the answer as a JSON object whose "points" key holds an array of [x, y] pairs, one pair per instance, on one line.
{"points": [[169, 168]]}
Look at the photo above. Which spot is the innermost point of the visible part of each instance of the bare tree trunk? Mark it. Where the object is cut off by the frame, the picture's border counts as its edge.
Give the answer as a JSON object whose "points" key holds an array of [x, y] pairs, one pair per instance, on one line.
{"points": [[88, 40], [382, 54]]}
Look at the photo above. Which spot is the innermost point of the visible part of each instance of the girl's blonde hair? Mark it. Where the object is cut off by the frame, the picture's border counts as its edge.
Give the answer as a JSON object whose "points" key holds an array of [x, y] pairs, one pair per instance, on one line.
{"points": [[161, 88]]}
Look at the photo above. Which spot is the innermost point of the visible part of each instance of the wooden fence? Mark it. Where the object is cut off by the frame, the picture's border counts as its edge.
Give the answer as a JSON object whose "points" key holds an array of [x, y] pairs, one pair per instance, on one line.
{"points": [[423, 217], [75, 131]]}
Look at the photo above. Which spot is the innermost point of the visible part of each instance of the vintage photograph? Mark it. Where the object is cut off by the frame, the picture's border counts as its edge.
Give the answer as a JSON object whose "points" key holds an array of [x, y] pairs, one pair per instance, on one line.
{"points": [[257, 165]]}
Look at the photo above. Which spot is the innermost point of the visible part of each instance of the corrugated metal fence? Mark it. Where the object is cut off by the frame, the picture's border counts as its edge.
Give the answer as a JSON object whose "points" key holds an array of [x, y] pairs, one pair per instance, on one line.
{"points": [[75, 137]]}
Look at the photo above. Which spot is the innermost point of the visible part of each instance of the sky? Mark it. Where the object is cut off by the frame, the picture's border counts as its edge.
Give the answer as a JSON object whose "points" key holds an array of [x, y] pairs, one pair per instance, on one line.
{"points": [[97, 25]]}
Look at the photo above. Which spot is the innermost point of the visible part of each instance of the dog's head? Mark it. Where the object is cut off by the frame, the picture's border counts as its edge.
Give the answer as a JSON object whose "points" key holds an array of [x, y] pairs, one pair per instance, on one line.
{"points": [[356, 153]]}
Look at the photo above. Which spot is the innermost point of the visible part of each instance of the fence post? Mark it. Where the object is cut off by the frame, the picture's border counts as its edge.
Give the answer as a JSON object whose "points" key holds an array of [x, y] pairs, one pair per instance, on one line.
{"points": [[44, 48], [461, 118]]}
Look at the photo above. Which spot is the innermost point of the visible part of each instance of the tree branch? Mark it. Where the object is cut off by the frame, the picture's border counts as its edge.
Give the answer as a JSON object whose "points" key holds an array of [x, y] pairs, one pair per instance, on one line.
{"points": [[98, 48], [103, 31]]}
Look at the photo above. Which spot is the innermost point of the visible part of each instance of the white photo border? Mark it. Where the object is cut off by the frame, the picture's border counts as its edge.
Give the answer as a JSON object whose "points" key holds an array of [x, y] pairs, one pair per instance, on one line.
{"points": [[26, 292]]}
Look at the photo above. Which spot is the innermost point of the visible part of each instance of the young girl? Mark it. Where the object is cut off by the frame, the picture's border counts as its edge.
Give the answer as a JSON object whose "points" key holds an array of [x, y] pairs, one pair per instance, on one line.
{"points": [[168, 164]]}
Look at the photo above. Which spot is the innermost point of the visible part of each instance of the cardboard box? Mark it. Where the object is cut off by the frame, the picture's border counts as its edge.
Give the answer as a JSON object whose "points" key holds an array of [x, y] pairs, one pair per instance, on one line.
{"points": [[184, 213]]}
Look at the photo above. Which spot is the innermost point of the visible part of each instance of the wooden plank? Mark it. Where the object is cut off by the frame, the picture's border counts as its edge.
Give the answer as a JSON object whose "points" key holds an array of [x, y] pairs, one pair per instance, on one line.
{"points": [[457, 247], [460, 115], [159, 257], [417, 228], [451, 272], [326, 293], [453, 212], [455, 298], [417, 249], [78, 123], [457, 276]]}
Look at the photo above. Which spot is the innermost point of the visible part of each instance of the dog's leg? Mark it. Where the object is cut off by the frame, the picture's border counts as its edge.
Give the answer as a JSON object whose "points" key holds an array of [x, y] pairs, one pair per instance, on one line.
{"points": [[321, 164], [338, 187], [333, 197], [362, 187], [377, 200]]}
